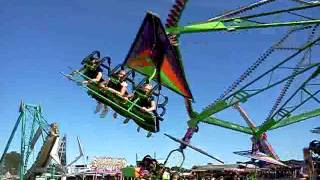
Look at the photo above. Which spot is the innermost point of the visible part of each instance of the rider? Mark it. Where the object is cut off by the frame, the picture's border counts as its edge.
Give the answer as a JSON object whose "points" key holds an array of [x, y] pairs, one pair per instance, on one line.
{"points": [[93, 71], [144, 98], [117, 85], [145, 167], [148, 104], [146, 101]]}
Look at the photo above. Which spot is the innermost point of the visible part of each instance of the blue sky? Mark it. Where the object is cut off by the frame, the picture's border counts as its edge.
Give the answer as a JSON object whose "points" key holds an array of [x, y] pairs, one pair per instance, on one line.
{"points": [[41, 38]]}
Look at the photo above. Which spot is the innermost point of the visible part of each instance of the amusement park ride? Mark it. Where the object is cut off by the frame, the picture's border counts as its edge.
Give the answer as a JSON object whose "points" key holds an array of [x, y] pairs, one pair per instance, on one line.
{"points": [[155, 55], [34, 128], [38, 137], [299, 62], [155, 58]]}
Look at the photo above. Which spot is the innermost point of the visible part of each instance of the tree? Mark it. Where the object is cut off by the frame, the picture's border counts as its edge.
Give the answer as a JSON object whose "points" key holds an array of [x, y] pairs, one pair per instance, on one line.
{"points": [[11, 162]]}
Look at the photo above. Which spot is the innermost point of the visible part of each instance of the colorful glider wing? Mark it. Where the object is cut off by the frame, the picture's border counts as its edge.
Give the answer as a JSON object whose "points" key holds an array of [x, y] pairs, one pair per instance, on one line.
{"points": [[152, 53]]}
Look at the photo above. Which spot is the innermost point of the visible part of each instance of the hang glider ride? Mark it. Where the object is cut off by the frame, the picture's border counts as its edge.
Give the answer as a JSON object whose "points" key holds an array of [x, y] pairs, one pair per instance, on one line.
{"points": [[153, 58]]}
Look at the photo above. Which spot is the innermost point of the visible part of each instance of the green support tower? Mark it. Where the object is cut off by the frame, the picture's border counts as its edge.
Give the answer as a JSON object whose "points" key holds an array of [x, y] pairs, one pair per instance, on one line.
{"points": [[33, 127]]}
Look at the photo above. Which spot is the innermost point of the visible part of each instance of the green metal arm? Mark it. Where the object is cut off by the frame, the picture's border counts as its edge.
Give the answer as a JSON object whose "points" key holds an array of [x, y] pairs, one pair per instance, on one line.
{"points": [[221, 26], [297, 118], [273, 121], [285, 122], [243, 94], [233, 99], [228, 125], [10, 139], [280, 122], [38, 117], [29, 115], [242, 23]]}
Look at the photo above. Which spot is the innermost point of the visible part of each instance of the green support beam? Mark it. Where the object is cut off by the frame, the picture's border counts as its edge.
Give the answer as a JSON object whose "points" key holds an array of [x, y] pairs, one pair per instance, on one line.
{"points": [[29, 120], [243, 94], [10, 139], [228, 125], [242, 23], [231, 100], [297, 118], [272, 121], [221, 26]]}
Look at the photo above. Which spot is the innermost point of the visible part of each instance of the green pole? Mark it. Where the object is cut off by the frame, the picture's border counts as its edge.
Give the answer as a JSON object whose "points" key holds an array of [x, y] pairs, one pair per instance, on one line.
{"points": [[22, 148], [10, 139]]}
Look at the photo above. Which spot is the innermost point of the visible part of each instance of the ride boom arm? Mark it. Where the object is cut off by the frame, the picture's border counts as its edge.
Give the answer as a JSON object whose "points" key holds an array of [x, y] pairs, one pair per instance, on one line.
{"points": [[243, 94], [228, 125], [244, 22], [297, 118], [274, 122]]}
